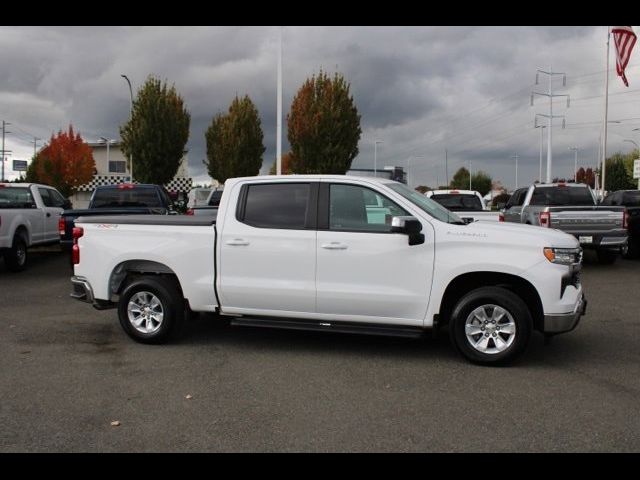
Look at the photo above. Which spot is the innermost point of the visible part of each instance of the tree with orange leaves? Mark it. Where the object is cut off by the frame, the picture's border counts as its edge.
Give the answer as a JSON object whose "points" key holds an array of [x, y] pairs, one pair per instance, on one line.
{"points": [[65, 163], [324, 126], [285, 165]]}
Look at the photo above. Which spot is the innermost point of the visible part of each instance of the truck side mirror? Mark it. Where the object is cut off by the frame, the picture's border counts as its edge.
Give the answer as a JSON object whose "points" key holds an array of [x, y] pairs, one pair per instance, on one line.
{"points": [[410, 226]]}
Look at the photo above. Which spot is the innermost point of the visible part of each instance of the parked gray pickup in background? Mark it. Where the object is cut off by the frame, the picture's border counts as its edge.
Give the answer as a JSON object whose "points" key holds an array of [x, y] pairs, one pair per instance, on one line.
{"points": [[572, 208]]}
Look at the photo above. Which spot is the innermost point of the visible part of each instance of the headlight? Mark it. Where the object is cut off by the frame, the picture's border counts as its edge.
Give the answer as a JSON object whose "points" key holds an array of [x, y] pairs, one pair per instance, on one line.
{"points": [[563, 256]]}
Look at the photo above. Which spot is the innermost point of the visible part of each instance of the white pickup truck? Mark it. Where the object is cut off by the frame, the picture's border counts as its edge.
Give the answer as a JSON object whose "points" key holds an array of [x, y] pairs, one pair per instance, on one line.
{"points": [[467, 204], [316, 252], [29, 216]]}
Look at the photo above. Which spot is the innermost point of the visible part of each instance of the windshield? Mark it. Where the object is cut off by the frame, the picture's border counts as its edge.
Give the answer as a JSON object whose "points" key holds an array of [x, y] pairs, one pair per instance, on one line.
{"points": [[631, 199], [426, 204], [562, 196], [125, 197], [458, 202]]}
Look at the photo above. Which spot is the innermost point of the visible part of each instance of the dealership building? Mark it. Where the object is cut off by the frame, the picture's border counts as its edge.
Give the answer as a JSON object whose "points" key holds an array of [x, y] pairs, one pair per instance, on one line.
{"points": [[111, 168]]}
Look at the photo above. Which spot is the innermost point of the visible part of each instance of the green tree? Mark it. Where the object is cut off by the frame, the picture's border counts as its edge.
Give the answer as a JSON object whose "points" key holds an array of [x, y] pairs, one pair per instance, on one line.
{"points": [[323, 126], [235, 141], [481, 182], [619, 174], [157, 132], [460, 179]]}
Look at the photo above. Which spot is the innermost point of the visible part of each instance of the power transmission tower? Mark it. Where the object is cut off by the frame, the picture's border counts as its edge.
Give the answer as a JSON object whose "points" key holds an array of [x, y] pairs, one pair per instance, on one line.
{"points": [[550, 117]]}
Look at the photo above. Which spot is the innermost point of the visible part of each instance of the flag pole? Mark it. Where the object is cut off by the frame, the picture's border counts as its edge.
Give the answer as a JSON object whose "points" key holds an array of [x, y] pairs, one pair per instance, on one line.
{"points": [[279, 108], [606, 112]]}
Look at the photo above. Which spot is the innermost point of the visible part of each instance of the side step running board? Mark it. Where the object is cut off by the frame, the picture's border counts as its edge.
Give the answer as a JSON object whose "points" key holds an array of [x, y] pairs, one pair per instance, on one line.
{"points": [[324, 326]]}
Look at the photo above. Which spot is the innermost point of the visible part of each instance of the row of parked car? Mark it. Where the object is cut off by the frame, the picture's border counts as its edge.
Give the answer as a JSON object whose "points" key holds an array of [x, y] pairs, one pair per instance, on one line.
{"points": [[610, 227], [35, 215]]}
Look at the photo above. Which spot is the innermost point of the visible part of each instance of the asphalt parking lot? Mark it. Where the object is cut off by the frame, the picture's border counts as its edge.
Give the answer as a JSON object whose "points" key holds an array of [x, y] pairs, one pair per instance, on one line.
{"points": [[68, 371]]}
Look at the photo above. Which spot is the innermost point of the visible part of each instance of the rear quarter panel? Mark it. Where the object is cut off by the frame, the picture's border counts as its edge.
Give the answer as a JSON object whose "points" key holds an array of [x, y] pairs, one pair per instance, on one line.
{"points": [[186, 250]]}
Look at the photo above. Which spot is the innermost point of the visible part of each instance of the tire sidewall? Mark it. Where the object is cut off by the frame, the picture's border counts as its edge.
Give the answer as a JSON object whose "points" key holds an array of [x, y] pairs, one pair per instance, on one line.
{"points": [[170, 300], [11, 256], [496, 296]]}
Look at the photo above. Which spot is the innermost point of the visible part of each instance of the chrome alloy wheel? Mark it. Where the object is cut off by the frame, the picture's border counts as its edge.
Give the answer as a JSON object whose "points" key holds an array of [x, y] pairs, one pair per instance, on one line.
{"points": [[490, 329], [145, 312]]}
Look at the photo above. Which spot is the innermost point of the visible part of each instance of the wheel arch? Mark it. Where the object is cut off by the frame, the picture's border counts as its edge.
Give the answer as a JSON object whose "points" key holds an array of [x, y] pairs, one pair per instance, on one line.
{"points": [[464, 283], [128, 269]]}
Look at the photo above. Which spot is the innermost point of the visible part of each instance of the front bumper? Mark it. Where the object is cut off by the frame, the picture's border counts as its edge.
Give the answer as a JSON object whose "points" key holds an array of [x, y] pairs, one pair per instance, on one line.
{"points": [[565, 322]]}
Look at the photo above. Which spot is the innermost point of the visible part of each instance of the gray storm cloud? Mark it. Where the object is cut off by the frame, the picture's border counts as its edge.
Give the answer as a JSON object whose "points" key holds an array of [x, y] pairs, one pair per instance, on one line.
{"points": [[420, 90]]}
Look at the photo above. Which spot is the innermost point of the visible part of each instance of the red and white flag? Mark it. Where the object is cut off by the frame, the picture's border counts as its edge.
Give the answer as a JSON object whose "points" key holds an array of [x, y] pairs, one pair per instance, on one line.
{"points": [[625, 39]]}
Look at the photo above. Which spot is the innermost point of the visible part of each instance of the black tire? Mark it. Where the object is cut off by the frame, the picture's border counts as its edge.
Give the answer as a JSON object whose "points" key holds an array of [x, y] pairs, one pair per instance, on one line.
{"points": [[16, 257], [169, 296], [508, 301], [634, 249], [606, 257]]}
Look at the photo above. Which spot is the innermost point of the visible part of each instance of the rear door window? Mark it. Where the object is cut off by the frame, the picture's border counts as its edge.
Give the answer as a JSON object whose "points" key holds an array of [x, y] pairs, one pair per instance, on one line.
{"points": [[16, 197], [276, 205]]}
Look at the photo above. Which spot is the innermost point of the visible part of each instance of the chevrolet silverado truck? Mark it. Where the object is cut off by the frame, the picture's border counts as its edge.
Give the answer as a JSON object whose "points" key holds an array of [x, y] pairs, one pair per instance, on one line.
{"points": [[572, 208], [333, 253], [28, 217], [120, 199], [467, 204]]}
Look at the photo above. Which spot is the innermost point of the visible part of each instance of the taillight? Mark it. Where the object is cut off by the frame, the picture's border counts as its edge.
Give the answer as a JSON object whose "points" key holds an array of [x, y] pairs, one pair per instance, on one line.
{"points": [[501, 217], [625, 219], [75, 250], [61, 226], [545, 219], [189, 211]]}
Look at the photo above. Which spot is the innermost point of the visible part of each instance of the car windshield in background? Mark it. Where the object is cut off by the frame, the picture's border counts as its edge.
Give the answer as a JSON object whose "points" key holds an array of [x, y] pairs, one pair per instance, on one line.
{"points": [[562, 196], [15, 197], [631, 199], [458, 202], [215, 198], [135, 197], [432, 208]]}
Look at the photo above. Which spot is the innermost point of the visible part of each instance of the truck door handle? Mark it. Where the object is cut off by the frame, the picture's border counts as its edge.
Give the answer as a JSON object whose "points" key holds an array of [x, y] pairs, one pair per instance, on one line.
{"points": [[335, 246], [48, 214], [237, 242]]}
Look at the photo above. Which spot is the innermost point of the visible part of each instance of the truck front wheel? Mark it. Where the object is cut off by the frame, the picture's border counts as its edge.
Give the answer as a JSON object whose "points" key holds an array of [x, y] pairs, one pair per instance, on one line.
{"points": [[151, 309], [490, 325]]}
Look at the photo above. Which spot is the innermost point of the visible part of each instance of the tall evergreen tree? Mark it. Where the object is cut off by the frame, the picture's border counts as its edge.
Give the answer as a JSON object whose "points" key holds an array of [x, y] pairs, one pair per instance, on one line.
{"points": [[235, 141], [323, 126], [157, 132]]}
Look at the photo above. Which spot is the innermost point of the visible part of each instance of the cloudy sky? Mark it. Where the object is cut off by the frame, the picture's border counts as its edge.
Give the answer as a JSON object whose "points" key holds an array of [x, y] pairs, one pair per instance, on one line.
{"points": [[420, 90]]}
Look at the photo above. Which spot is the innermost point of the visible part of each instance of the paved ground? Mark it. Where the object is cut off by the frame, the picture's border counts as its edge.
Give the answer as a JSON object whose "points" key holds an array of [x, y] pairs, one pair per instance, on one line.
{"points": [[67, 371]]}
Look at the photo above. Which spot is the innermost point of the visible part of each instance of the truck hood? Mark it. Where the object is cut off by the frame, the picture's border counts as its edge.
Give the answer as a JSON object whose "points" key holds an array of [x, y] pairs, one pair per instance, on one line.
{"points": [[520, 234]]}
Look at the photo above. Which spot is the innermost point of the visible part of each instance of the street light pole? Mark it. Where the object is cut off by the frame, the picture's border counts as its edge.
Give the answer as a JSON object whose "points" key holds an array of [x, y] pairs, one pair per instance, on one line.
{"points": [[575, 160], [375, 157], [516, 157], [130, 117], [541, 127], [409, 175]]}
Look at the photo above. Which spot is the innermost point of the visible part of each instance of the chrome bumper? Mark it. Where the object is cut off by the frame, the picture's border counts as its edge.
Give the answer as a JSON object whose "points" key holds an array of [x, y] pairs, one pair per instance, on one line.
{"points": [[567, 321], [81, 289]]}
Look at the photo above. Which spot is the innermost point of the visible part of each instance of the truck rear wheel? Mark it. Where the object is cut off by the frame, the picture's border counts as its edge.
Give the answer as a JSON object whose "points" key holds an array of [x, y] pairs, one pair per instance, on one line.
{"points": [[151, 309], [16, 257], [490, 325]]}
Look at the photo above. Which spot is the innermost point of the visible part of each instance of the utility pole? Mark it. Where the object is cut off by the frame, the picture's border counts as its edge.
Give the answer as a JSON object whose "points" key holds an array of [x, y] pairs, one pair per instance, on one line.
{"points": [[575, 161], [541, 127], [469, 174], [4, 132], [606, 114], [550, 117], [35, 145], [446, 166], [516, 157], [279, 108], [375, 157]]}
